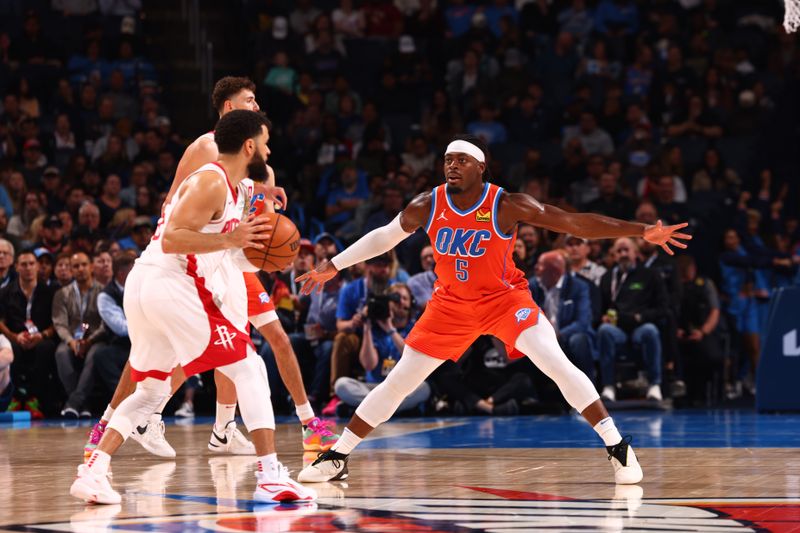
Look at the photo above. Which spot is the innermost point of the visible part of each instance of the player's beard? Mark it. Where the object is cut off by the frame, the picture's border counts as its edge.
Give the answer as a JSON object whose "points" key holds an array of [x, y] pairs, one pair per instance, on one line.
{"points": [[257, 168]]}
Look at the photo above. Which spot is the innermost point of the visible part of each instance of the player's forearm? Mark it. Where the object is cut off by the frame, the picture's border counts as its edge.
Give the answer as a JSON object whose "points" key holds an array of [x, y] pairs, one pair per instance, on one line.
{"points": [[593, 226], [187, 241], [376, 242]]}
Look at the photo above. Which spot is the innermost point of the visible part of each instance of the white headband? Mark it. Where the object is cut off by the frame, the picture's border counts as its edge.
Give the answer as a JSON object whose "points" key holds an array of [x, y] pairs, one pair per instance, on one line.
{"points": [[466, 147]]}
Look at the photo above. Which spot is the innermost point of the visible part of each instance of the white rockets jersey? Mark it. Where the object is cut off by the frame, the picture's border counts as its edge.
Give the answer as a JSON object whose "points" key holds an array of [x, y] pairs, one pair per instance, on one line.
{"points": [[227, 283], [203, 265]]}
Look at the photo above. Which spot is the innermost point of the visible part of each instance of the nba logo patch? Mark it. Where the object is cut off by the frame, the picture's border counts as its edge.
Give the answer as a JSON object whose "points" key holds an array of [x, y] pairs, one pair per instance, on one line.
{"points": [[264, 297], [523, 314], [483, 216]]}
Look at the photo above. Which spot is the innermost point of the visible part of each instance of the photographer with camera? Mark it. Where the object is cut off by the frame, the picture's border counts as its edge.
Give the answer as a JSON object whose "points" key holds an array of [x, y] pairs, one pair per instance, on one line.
{"points": [[350, 315], [389, 318]]}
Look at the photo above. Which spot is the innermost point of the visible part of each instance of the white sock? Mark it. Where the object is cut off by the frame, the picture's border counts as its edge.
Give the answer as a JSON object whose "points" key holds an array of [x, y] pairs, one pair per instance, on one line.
{"points": [[107, 414], [162, 406], [225, 413], [346, 442], [98, 462], [608, 431], [304, 412], [269, 465]]}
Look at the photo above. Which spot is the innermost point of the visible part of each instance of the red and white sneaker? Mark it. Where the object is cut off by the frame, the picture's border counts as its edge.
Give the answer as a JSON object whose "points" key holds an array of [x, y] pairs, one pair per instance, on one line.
{"points": [[93, 488], [282, 489]]}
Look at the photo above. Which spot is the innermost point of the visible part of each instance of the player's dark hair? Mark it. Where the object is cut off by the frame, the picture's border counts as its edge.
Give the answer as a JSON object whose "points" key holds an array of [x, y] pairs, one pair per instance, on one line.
{"points": [[477, 141], [234, 128], [227, 87]]}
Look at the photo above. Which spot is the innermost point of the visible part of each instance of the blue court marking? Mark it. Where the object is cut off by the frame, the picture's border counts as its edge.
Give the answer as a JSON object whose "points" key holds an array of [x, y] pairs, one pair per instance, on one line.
{"points": [[650, 429], [682, 429]]}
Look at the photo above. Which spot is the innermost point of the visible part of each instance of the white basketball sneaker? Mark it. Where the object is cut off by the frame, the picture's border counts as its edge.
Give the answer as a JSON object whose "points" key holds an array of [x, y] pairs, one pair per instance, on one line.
{"points": [[151, 437], [626, 467], [281, 489], [329, 466], [93, 488], [230, 440]]}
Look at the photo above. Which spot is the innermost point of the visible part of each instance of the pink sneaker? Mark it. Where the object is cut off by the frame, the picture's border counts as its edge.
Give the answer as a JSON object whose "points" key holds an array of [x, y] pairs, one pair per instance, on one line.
{"points": [[94, 439], [330, 409], [317, 436]]}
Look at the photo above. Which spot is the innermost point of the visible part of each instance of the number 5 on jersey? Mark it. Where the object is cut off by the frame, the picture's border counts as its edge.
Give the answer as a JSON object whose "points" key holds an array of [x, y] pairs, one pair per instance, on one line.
{"points": [[461, 269]]}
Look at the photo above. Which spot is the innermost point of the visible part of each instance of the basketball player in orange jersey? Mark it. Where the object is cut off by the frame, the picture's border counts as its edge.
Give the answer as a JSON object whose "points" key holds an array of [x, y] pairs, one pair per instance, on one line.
{"points": [[173, 318], [229, 93], [472, 224]]}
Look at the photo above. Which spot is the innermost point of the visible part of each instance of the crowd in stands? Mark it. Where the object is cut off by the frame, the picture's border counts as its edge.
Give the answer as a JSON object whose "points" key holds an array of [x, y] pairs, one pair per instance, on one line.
{"points": [[678, 110]]}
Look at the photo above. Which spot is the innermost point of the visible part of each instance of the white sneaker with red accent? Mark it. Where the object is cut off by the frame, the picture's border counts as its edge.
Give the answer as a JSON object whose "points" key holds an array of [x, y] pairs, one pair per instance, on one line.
{"points": [[93, 488], [281, 489]]}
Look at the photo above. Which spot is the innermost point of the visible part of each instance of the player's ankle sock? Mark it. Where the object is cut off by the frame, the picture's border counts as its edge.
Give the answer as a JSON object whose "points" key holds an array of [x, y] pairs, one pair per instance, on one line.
{"points": [[157, 415], [107, 414], [304, 412], [346, 442], [269, 465], [608, 431], [98, 462], [225, 413]]}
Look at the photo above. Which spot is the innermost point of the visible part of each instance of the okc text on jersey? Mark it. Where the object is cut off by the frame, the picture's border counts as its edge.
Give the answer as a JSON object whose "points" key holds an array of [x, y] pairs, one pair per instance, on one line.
{"points": [[461, 242]]}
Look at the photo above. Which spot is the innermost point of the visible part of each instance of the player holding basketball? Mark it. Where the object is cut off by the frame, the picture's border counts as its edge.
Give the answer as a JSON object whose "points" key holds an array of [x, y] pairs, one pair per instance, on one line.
{"points": [[472, 226], [173, 319], [230, 93]]}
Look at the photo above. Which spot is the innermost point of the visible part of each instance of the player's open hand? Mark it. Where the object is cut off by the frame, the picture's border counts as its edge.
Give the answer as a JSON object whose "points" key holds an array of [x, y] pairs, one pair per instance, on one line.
{"points": [[251, 232], [315, 280], [666, 235], [272, 194]]}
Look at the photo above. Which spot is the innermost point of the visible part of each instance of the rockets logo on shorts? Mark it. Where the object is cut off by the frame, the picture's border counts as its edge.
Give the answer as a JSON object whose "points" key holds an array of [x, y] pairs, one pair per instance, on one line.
{"points": [[225, 337], [264, 298], [522, 314]]}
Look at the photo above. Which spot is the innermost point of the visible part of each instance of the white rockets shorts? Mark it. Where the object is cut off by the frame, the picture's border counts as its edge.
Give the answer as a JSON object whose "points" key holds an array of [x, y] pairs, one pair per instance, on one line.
{"points": [[173, 320]]}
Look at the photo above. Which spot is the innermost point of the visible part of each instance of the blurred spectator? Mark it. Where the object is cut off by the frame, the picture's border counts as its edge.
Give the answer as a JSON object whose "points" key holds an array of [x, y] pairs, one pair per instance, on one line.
{"points": [[634, 300], [53, 238], [564, 299], [102, 267], [110, 201], [342, 201], [700, 346], [578, 254], [26, 320], [113, 353], [533, 246], [348, 21], [421, 284], [611, 202], [80, 330], [420, 157], [7, 272], [350, 318], [62, 270], [594, 139], [381, 349], [487, 127]]}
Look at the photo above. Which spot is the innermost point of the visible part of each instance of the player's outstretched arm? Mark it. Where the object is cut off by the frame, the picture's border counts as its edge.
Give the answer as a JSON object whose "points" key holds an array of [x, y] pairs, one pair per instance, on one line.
{"points": [[202, 200], [376, 242], [520, 207]]}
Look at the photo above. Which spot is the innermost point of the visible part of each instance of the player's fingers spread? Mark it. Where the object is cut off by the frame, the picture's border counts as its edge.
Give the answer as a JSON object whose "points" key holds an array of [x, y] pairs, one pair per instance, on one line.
{"points": [[685, 236], [679, 226], [677, 244], [667, 249], [255, 244]]}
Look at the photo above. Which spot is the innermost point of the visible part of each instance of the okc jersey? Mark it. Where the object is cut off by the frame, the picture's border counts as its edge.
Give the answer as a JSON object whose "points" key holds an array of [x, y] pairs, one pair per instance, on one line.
{"points": [[473, 256], [203, 264]]}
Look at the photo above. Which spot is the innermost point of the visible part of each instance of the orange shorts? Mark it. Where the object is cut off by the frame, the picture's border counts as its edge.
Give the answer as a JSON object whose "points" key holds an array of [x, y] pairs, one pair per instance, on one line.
{"points": [[450, 325]]}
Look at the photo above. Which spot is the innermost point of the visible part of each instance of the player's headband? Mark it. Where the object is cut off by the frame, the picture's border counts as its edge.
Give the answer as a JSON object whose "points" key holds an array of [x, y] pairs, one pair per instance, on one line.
{"points": [[465, 147]]}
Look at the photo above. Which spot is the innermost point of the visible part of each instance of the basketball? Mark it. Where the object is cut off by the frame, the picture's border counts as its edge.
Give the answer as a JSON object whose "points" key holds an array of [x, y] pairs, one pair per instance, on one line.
{"points": [[280, 250]]}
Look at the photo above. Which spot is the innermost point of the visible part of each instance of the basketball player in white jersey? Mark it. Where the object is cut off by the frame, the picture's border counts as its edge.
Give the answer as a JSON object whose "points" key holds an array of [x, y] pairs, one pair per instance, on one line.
{"points": [[230, 93], [173, 319]]}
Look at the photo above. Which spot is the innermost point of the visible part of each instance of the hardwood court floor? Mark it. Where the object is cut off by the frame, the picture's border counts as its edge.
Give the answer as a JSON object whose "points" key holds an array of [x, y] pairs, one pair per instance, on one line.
{"points": [[479, 474]]}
